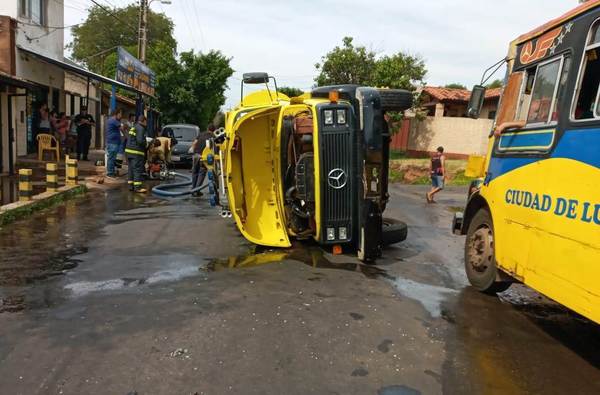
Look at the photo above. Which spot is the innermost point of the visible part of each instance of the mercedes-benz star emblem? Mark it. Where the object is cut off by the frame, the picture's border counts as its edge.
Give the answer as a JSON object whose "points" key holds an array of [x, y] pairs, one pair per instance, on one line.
{"points": [[337, 178]]}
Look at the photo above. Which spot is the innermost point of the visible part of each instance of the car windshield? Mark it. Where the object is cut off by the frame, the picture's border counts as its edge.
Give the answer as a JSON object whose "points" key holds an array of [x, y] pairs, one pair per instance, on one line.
{"points": [[184, 133]]}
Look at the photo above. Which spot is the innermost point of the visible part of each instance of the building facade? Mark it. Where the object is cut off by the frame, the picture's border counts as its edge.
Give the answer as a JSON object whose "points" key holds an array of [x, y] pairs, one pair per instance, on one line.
{"points": [[35, 72]]}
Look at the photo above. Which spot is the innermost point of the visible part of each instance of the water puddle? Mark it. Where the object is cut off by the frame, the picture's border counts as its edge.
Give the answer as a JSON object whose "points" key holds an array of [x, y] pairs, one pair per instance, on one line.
{"points": [[153, 272], [430, 296], [310, 255]]}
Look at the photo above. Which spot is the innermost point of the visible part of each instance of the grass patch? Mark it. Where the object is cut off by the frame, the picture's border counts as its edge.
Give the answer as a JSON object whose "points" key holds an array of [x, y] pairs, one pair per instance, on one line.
{"points": [[398, 155], [22, 212], [460, 179], [396, 175], [416, 172]]}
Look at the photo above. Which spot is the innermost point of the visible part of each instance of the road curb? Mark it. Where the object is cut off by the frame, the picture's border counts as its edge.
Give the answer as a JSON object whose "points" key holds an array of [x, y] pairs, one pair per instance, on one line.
{"points": [[18, 210]]}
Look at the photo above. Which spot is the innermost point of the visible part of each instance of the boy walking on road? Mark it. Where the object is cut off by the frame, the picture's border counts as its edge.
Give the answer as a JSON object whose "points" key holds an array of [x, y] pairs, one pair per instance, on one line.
{"points": [[135, 151], [438, 173]]}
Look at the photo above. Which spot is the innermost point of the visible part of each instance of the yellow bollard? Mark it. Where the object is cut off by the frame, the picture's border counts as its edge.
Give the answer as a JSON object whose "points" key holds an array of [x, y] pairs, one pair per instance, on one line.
{"points": [[51, 177], [25, 186], [72, 172]]}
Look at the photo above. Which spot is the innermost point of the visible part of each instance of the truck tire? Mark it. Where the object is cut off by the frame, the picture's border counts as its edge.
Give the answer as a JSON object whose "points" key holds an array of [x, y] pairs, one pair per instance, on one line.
{"points": [[395, 99], [480, 260], [393, 231]]}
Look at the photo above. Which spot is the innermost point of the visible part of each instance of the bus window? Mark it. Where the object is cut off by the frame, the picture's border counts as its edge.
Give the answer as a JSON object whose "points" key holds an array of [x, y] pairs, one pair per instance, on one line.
{"points": [[544, 89], [561, 88], [590, 80], [526, 95]]}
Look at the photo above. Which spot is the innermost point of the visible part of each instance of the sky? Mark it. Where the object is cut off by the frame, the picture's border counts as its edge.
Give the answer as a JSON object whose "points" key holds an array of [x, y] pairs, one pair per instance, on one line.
{"points": [[457, 39]]}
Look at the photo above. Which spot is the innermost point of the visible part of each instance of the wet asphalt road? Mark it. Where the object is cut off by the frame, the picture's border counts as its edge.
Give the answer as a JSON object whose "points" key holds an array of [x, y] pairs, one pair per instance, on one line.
{"points": [[121, 294]]}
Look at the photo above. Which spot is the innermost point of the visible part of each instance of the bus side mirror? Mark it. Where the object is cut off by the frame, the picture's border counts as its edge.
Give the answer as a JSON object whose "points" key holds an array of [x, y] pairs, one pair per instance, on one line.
{"points": [[476, 101]]}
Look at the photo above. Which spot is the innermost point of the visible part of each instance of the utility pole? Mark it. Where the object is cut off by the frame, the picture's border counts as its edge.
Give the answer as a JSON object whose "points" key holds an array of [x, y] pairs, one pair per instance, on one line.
{"points": [[143, 31]]}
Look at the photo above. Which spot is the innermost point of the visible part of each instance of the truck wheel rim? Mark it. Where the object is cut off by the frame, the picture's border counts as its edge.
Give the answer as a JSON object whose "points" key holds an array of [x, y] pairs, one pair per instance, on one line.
{"points": [[481, 249]]}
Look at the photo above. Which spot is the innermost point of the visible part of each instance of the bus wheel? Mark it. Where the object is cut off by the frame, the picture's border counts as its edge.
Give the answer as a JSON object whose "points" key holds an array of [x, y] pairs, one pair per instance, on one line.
{"points": [[480, 261]]}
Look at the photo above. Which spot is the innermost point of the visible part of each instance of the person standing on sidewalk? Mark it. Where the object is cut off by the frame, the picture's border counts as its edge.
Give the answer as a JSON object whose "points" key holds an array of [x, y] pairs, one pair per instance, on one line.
{"points": [[438, 173], [135, 151], [113, 142], [84, 122]]}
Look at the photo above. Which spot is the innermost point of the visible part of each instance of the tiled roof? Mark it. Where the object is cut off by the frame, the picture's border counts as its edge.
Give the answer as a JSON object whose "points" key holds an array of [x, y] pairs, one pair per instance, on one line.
{"points": [[457, 95]]}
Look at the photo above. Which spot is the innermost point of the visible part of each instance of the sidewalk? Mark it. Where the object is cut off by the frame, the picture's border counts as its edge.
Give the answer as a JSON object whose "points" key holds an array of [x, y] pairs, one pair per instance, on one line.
{"points": [[91, 175]]}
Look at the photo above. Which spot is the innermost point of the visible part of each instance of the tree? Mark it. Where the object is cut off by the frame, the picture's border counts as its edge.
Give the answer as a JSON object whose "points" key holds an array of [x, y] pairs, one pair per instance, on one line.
{"points": [[289, 91], [196, 88], [101, 31], [495, 84], [455, 86], [351, 64], [346, 65], [189, 87], [399, 71]]}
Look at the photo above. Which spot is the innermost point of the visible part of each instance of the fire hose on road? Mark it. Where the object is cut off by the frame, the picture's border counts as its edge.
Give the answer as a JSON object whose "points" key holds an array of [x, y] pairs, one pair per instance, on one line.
{"points": [[163, 189]]}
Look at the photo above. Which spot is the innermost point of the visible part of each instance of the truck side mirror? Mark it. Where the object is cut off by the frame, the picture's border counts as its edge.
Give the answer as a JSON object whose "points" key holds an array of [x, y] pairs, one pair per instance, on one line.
{"points": [[476, 101]]}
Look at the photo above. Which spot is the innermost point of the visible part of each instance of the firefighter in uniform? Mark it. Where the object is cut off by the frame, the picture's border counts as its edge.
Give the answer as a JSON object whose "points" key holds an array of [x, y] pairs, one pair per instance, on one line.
{"points": [[135, 150]]}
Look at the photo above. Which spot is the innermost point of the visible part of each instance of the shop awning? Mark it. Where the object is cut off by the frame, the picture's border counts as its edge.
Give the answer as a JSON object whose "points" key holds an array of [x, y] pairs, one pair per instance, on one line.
{"points": [[79, 70], [16, 81]]}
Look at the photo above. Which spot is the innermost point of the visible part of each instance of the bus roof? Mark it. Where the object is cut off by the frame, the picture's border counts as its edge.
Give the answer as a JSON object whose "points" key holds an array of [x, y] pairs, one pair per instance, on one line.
{"points": [[582, 8]]}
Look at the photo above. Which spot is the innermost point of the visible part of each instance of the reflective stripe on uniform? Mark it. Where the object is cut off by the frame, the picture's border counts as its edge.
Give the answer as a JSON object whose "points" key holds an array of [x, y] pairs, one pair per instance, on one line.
{"points": [[133, 152], [132, 131], [136, 183]]}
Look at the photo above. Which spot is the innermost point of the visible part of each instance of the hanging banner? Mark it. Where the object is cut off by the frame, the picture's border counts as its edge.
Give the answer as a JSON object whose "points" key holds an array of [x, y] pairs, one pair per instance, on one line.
{"points": [[131, 71]]}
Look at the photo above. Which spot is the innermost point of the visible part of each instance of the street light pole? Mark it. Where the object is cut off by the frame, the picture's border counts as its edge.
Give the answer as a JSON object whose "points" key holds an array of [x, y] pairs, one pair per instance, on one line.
{"points": [[143, 27], [143, 31]]}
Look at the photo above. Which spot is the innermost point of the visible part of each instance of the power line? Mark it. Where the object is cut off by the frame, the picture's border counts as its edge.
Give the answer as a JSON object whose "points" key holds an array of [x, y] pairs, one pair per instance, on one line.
{"points": [[198, 24], [50, 27], [134, 28], [189, 25]]}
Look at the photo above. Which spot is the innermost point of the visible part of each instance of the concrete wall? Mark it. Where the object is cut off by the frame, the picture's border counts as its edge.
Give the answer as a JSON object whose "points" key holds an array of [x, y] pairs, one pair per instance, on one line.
{"points": [[33, 69], [40, 39], [461, 136]]}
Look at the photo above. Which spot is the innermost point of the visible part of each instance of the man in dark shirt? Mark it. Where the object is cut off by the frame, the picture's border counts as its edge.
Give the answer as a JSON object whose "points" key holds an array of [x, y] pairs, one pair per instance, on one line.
{"points": [[113, 142], [84, 122]]}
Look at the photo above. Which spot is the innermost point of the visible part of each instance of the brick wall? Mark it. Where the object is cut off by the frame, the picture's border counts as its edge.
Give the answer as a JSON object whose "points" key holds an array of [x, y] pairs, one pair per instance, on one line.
{"points": [[7, 45]]}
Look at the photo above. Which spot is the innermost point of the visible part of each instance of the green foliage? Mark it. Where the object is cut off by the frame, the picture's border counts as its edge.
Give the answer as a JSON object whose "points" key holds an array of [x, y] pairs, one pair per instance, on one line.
{"points": [[346, 65], [189, 88], [194, 87], [455, 86], [102, 31], [495, 84], [399, 71], [350, 64], [397, 155], [290, 91], [460, 179]]}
